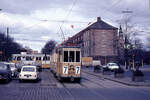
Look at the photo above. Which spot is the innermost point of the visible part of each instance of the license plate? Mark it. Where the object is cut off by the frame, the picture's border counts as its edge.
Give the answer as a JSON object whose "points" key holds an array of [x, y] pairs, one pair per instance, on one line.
{"points": [[27, 76]]}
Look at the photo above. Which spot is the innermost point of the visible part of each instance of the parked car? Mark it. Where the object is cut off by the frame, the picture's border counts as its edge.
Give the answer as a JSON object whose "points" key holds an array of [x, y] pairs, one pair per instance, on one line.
{"points": [[5, 72], [104, 66], [112, 66], [28, 73], [12, 68]]}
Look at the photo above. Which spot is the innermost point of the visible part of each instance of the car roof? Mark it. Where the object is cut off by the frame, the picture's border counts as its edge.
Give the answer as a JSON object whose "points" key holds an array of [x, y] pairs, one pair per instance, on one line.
{"points": [[112, 63], [29, 66], [10, 63]]}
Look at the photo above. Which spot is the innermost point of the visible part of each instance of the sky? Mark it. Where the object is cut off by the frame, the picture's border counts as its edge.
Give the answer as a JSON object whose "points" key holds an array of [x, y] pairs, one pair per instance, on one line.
{"points": [[33, 22]]}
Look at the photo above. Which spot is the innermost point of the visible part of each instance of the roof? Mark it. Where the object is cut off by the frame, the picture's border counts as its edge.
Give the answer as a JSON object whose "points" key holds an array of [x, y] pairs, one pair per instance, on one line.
{"points": [[100, 24]]}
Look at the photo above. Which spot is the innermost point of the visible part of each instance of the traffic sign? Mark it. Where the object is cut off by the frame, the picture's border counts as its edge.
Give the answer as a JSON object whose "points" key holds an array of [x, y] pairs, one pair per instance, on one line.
{"points": [[1, 52]]}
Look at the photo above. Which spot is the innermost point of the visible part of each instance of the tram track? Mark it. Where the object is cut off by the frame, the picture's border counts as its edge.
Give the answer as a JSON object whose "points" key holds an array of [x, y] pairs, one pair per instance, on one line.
{"points": [[100, 85], [68, 91]]}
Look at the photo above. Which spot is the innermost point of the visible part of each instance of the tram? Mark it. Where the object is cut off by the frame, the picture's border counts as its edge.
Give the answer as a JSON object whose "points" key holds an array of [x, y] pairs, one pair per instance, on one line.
{"points": [[41, 60], [66, 63]]}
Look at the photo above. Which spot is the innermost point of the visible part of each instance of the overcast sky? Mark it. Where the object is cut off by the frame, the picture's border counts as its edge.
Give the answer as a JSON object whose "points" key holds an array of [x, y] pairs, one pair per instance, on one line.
{"points": [[33, 22]]}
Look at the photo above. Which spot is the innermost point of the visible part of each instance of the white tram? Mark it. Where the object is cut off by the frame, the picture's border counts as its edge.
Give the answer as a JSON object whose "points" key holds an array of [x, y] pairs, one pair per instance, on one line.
{"points": [[32, 59]]}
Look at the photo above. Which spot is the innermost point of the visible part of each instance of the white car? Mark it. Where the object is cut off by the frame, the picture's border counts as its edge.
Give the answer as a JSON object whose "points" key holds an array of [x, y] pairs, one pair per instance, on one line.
{"points": [[112, 66], [28, 73]]}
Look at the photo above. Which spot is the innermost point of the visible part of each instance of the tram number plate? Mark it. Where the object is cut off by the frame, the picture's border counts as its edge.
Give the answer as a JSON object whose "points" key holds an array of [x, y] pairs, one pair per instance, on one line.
{"points": [[65, 70], [78, 70]]}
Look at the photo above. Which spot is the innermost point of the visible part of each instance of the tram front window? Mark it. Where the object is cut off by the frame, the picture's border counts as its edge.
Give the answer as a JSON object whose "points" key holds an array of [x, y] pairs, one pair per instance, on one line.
{"points": [[71, 56], [77, 56], [28, 58], [65, 56]]}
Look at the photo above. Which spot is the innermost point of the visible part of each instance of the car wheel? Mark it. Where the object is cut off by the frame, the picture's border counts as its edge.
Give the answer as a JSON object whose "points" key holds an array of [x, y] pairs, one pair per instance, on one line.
{"points": [[7, 80]]}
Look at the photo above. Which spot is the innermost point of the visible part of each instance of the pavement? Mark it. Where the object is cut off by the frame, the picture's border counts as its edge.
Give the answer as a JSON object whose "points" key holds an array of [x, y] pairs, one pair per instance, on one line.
{"points": [[126, 80]]}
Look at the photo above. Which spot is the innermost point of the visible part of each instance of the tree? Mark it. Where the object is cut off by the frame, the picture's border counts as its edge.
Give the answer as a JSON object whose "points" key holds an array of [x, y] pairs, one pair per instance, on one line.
{"points": [[132, 44], [8, 47], [48, 47]]}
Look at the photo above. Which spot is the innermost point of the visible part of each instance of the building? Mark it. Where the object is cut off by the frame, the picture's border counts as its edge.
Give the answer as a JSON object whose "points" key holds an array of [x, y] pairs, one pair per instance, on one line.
{"points": [[99, 40]]}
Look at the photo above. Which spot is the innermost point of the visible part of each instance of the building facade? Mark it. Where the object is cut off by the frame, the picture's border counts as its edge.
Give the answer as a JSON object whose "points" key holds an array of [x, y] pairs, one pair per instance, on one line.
{"points": [[99, 40]]}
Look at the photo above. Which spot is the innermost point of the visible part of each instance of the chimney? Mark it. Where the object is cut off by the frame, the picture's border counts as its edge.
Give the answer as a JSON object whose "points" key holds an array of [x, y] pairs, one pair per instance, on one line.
{"points": [[98, 18]]}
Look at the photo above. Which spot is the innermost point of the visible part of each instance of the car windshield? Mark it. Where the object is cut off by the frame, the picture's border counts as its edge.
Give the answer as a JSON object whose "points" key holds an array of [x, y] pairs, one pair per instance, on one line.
{"points": [[28, 69], [113, 64], [11, 65], [3, 67]]}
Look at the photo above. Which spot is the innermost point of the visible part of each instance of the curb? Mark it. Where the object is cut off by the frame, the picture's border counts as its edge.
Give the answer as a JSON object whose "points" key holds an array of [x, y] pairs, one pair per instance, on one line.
{"points": [[114, 80]]}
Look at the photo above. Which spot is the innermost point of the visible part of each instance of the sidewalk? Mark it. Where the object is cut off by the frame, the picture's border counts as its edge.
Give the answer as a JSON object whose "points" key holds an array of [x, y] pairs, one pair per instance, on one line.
{"points": [[126, 79]]}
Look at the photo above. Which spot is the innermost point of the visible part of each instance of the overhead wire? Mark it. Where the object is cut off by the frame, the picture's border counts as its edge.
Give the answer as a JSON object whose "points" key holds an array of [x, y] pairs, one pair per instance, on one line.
{"points": [[109, 9], [60, 28]]}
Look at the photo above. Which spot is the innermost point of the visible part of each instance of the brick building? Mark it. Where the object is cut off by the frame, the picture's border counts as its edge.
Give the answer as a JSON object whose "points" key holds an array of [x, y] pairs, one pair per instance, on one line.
{"points": [[99, 40]]}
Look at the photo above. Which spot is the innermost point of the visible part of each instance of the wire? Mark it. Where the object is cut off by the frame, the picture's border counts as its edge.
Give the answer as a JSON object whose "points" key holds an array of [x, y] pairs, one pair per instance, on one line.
{"points": [[28, 27], [108, 9], [113, 5], [63, 36], [31, 40]]}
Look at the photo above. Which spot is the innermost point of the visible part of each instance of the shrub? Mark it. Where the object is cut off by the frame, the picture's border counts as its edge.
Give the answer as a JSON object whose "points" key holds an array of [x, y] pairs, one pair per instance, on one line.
{"points": [[120, 70], [138, 73], [106, 69]]}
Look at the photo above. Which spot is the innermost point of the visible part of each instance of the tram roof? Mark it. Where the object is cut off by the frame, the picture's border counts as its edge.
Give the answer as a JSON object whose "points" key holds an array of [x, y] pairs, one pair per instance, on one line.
{"points": [[69, 47], [30, 54]]}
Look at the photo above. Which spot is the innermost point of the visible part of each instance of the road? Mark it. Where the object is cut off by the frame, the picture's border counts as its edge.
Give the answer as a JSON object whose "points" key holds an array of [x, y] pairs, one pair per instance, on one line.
{"points": [[90, 88]]}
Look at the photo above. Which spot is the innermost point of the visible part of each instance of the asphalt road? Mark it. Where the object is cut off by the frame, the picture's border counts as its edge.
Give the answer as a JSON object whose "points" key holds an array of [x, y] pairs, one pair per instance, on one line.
{"points": [[90, 88]]}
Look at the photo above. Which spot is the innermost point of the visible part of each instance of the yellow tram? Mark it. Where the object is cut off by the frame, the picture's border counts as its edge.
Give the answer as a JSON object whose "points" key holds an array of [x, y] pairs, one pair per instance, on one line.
{"points": [[66, 63]]}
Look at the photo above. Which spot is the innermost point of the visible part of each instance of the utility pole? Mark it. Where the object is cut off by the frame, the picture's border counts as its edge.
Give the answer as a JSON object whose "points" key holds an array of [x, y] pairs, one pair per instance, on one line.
{"points": [[149, 4], [126, 37], [6, 50]]}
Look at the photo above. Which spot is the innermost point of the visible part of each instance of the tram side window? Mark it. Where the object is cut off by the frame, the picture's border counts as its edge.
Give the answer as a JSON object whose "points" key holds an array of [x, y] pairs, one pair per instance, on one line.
{"points": [[28, 58], [65, 56], [77, 56], [14, 58], [71, 56], [18, 58], [38, 58], [46, 58]]}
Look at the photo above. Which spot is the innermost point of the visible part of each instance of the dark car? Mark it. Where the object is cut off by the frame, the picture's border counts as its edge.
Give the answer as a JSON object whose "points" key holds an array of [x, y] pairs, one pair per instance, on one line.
{"points": [[5, 72]]}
